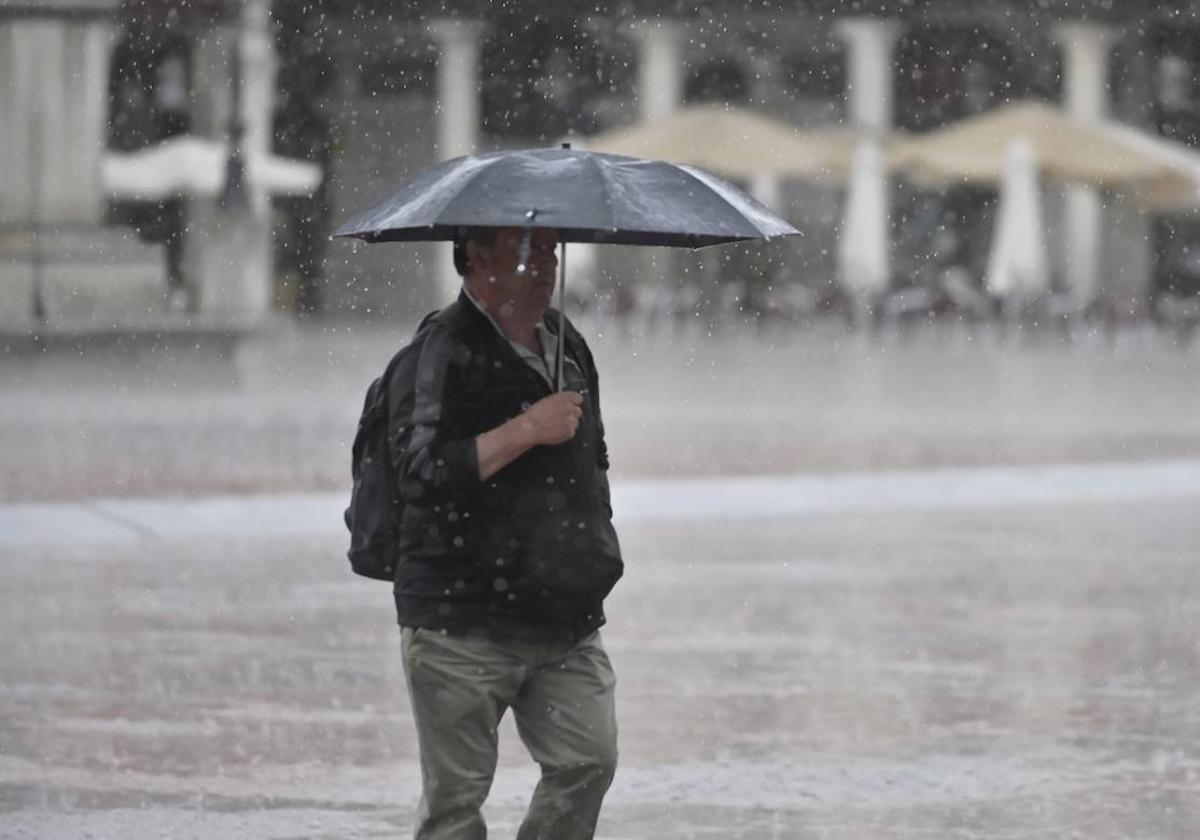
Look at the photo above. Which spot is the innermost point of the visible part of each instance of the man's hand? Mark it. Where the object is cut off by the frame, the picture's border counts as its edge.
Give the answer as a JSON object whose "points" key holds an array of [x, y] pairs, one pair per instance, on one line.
{"points": [[549, 421], [553, 419]]}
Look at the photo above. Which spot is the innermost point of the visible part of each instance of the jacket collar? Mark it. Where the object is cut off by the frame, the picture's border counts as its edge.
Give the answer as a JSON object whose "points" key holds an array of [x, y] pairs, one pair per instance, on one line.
{"points": [[479, 318], [483, 323]]}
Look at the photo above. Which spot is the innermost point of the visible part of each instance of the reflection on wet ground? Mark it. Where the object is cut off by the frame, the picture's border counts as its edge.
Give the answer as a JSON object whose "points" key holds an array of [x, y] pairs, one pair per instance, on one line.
{"points": [[987, 673]]}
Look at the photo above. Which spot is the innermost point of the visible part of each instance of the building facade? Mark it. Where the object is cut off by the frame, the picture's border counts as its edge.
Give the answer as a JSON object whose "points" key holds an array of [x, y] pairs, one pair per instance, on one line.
{"points": [[373, 91]]}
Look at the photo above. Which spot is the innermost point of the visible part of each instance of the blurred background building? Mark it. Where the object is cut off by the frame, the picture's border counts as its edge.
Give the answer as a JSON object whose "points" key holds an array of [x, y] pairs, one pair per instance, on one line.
{"points": [[232, 137]]}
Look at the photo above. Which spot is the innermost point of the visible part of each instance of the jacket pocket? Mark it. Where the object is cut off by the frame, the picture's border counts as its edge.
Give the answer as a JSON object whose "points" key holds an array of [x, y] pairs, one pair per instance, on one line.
{"points": [[572, 561]]}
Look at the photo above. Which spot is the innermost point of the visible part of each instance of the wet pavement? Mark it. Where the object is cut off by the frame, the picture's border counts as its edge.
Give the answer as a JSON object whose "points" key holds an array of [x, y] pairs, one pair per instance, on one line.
{"points": [[998, 669], [280, 417], [937, 586]]}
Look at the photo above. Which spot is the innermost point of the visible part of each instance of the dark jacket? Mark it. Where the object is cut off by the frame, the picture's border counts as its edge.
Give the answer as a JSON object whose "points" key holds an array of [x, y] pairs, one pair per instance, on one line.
{"points": [[530, 553]]}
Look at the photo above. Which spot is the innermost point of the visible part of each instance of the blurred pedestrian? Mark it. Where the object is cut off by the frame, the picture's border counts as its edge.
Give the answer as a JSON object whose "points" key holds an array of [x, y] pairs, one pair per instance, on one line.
{"points": [[507, 546]]}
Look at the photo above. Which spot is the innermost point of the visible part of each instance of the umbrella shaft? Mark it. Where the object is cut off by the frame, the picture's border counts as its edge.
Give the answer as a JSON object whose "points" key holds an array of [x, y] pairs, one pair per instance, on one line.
{"points": [[562, 300]]}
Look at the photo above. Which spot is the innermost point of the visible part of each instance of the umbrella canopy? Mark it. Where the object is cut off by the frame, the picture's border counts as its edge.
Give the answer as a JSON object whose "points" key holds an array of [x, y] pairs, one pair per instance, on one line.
{"points": [[736, 142], [1067, 148], [863, 240], [1175, 194], [1018, 266], [585, 196]]}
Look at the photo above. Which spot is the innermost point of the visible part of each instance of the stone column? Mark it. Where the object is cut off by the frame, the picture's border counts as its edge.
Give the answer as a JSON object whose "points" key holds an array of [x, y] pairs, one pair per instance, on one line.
{"points": [[458, 107], [54, 100], [660, 67], [1086, 49], [228, 264], [259, 66], [211, 104], [767, 187], [59, 268], [210, 94], [1129, 250], [458, 113], [21, 44], [227, 254], [659, 93], [870, 91]]}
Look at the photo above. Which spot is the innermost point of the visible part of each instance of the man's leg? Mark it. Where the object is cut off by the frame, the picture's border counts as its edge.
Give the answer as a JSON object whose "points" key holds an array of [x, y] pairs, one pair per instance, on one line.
{"points": [[566, 716], [459, 688]]}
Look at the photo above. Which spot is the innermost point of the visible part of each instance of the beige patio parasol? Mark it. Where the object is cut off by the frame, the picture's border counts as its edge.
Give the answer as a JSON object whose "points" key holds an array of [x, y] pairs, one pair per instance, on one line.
{"points": [[1169, 195], [735, 142], [1018, 265], [1067, 149]]}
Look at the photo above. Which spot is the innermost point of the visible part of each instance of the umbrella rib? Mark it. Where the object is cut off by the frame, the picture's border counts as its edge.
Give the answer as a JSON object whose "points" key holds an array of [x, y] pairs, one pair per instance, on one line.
{"points": [[462, 190], [384, 208], [724, 200], [608, 202]]}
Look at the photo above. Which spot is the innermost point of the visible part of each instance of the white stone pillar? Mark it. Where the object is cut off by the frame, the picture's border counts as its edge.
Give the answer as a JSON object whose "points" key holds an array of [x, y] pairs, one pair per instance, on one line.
{"points": [[54, 101], [1082, 244], [458, 107], [20, 129], [659, 93], [228, 264], [767, 187], [259, 65], [870, 89], [211, 95], [660, 67], [458, 113], [228, 259], [89, 50], [211, 100], [1086, 49], [59, 268]]}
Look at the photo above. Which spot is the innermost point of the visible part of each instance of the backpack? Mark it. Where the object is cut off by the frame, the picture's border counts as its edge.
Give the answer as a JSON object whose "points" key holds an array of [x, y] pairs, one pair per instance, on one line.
{"points": [[375, 510], [373, 516]]}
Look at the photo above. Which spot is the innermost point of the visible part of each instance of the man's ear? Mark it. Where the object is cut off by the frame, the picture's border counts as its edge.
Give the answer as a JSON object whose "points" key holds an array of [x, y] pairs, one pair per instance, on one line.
{"points": [[475, 254]]}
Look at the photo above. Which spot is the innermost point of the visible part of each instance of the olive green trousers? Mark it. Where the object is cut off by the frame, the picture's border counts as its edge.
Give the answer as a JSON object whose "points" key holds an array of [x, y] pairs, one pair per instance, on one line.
{"points": [[562, 696]]}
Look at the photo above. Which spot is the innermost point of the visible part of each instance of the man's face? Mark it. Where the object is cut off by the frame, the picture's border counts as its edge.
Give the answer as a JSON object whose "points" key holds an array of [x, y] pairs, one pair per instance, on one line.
{"points": [[495, 278]]}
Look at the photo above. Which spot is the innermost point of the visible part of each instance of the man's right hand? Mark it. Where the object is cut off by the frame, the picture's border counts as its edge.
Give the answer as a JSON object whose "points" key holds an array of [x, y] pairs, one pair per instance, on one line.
{"points": [[550, 420], [553, 419]]}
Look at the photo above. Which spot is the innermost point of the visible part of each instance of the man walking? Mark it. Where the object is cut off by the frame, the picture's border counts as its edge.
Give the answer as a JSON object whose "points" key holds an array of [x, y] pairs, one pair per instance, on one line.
{"points": [[507, 548]]}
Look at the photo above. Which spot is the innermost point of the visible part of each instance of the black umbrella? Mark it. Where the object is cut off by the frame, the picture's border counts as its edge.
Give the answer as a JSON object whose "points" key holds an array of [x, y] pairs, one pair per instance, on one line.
{"points": [[585, 196]]}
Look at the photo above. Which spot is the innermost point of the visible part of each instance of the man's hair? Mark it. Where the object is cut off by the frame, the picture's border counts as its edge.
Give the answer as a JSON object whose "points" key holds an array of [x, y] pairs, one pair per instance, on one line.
{"points": [[481, 236]]}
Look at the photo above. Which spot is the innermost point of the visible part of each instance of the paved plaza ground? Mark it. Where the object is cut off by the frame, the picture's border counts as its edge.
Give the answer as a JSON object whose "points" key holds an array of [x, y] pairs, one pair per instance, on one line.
{"points": [[676, 402], [1019, 672], [829, 627]]}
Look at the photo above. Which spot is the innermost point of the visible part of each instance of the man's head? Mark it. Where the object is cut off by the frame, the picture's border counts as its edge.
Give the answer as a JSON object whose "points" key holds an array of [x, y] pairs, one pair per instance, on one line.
{"points": [[487, 259], [482, 237]]}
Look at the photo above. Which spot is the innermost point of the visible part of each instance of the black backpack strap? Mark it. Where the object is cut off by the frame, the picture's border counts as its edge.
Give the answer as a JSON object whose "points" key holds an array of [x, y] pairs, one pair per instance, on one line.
{"points": [[386, 379], [428, 318]]}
